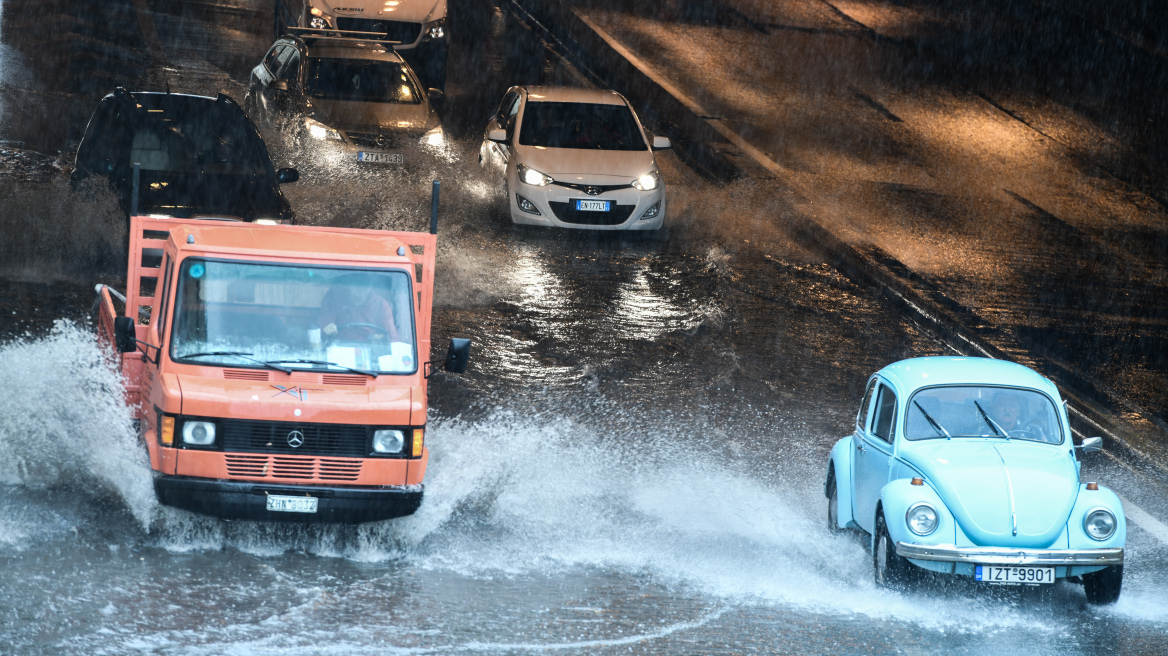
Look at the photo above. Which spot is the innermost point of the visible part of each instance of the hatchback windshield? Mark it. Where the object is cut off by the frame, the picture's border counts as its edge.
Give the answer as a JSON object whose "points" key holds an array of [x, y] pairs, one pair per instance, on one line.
{"points": [[982, 412], [580, 125], [249, 314], [201, 138], [361, 80]]}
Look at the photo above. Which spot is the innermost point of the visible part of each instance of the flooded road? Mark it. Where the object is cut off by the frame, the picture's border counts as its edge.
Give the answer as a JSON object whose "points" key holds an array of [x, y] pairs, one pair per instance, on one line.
{"points": [[633, 463]]}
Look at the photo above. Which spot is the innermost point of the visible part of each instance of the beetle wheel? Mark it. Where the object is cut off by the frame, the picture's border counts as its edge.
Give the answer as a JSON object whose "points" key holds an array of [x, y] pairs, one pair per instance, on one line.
{"points": [[889, 569], [833, 508], [1103, 587]]}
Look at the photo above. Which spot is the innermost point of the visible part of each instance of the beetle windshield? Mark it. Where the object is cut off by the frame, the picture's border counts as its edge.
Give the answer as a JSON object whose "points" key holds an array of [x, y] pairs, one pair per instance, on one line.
{"points": [[982, 411], [244, 314], [580, 125]]}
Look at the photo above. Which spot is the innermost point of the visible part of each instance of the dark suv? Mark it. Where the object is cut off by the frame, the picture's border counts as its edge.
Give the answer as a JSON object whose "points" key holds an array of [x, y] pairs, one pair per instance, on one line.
{"points": [[198, 157]]}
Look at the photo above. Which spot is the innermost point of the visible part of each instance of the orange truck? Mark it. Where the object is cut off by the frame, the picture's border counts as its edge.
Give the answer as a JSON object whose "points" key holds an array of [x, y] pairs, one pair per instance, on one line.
{"points": [[276, 372]]}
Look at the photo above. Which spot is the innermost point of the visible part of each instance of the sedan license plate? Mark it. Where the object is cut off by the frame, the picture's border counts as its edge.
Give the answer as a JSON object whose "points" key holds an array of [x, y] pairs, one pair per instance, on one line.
{"points": [[380, 158], [278, 503], [1013, 575], [593, 205]]}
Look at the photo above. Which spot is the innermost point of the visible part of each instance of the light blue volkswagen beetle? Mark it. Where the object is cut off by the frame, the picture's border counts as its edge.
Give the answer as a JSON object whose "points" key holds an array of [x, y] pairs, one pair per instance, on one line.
{"points": [[965, 466]]}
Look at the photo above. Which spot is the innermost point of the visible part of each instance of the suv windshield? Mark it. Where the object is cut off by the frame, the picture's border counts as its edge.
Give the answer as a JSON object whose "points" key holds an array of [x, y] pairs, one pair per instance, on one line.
{"points": [[982, 412], [361, 79], [580, 125], [201, 138], [243, 314]]}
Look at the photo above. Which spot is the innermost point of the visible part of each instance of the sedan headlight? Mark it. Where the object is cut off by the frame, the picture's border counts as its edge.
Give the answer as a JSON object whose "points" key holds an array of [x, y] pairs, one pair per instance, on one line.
{"points": [[321, 131], [921, 519], [435, 137], [533, 177], [1099, 523], [388, 441], [649, 181], [198, 433]]}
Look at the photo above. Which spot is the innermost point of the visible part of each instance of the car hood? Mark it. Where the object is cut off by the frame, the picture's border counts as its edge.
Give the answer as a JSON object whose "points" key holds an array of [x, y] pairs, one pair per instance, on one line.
{"points": [[974, 479], [587, 166], [408, 11], [347, 115], [355, 403]]}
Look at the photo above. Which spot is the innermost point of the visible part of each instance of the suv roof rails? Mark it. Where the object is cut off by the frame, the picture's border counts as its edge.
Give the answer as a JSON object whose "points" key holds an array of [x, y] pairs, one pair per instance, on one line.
{"points": [[351, 36]]}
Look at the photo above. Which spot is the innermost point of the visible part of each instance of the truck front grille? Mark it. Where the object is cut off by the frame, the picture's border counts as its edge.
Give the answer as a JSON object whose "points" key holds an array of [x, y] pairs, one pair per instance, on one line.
{"points": [[279, 436], [394, 31], [303, 469]]}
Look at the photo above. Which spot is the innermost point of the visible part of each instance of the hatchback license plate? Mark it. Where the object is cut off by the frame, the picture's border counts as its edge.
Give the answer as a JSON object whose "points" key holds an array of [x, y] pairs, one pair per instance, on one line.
{"points": [[278, 503], [593, 205], [1013, 575], [380, 158]]}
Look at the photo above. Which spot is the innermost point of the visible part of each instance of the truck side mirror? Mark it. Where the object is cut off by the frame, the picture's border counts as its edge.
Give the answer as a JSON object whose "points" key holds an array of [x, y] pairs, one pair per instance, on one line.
{"points": [[125, 339], [497, 135], [457, 356], [284, 176], [1091, 444]]}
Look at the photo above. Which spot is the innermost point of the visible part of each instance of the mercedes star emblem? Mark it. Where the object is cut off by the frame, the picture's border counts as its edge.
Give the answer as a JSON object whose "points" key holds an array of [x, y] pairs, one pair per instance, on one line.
{"points": [[295, 439]]}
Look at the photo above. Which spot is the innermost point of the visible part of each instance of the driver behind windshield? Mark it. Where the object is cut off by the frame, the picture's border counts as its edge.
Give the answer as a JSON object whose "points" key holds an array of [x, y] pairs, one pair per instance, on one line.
{"points": [[353, 312]]}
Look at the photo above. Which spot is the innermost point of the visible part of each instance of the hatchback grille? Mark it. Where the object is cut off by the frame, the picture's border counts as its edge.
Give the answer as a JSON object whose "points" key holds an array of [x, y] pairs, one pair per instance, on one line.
{"points": [[259, 466], [394, 31], [273, 437], [567, 213]]}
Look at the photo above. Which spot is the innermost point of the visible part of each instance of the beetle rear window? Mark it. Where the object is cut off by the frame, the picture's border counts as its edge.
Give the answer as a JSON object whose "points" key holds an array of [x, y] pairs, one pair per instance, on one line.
{"points": [[982, 411]]}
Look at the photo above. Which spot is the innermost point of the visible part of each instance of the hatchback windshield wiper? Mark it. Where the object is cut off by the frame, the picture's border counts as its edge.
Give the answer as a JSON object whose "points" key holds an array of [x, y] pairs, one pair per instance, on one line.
{"points": [[993, 424], [326, 363], [245, 356], [933, 422]]}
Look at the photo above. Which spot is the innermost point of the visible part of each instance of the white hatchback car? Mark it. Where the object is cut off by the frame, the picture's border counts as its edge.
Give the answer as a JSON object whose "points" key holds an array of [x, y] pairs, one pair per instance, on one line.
{"points": [[575, 158]]}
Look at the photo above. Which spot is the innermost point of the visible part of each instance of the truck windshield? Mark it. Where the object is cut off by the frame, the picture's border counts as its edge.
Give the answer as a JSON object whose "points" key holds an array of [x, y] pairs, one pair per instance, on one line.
{"points": [[977, 411], [244, 314]]}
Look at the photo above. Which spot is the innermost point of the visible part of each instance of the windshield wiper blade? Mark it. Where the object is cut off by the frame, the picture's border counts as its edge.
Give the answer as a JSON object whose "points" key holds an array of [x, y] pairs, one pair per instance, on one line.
{"points": [[933, 422], [245, 356], [326, 363], [993, 424]]}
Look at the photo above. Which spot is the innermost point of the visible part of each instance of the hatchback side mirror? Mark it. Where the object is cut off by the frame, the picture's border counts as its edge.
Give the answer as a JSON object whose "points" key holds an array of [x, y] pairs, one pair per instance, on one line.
{"points": [[284, 176], [457, 356], [278, 85], [497, 135], [125, 339], [662, 143], [1091, 444]]}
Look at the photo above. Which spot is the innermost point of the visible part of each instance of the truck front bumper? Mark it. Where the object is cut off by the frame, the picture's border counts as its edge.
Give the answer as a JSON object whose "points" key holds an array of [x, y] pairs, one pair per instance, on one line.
{"points": [[1010, 556], [244, 500]]}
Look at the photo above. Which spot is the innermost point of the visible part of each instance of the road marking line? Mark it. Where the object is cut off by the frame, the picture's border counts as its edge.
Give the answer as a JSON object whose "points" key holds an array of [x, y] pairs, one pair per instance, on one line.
{"points": [[1157, 528]]}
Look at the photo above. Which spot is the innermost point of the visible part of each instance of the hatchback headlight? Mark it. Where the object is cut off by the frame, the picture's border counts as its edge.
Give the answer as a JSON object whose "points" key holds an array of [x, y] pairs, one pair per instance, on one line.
{"points": [[198, 433], [649, 181], [921, 519], [435, 137], [1099, 524], [388, 441], [532, 177], [318, 130]]}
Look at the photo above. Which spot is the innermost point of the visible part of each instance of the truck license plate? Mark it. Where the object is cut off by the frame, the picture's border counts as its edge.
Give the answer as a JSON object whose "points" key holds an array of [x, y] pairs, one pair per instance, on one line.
{"points": [[593, 205], [1013, 575], [380, 158], [278, 503]]}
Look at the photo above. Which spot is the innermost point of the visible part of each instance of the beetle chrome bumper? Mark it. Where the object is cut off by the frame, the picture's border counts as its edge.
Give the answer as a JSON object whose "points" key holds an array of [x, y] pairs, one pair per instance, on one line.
{"points": [[1009, 556]]}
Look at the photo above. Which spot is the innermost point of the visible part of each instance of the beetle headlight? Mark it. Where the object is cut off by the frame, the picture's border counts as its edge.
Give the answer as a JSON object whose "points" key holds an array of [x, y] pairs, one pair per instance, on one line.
{"points": [[921, 519], [649, 181], [533, 177], [388, 441], [318, 130], [1099, 524], [198, 433]]}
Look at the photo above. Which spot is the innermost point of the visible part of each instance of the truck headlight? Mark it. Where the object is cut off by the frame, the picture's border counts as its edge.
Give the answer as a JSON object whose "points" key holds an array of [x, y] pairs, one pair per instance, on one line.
{"points": [[1099, 523], [532, 177], [388, 441], [921, 519], [436, 30], [198, 433], [318, 130], [435, 137], [649, 181]]}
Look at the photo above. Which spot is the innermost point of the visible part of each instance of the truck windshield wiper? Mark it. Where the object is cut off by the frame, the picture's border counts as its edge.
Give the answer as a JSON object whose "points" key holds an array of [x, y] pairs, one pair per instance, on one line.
{"points": [[326, 363], [933, 422], [245, 356], [993, 424]]}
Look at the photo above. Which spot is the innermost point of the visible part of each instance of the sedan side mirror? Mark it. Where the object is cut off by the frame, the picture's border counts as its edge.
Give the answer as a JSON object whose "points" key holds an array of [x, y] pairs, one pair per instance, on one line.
{"points": [[284, 176], [497, 135], [125, 339], [662, 143], [1091, 444], [278, 85], [457, 356]]}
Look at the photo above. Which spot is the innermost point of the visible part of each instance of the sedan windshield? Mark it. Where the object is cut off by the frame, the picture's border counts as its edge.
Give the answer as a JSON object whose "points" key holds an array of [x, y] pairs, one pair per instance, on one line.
{"points": [[243, 314], [361, 80], [580, 125], [1002, 412]]}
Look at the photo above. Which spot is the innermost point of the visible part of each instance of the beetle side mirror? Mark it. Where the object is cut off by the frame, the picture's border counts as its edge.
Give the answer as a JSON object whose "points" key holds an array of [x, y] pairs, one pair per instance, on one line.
{"points": [[662, 143], [278, 85], [125, 339], [1091, 444], [497, 135], [457, 356], [284, 176]]}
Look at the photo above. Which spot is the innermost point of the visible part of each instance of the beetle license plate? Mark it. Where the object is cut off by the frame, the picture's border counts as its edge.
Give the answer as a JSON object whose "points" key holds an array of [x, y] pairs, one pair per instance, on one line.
{"points": [[593, 205], [278, 503], [372, 157], [1013, 575]]}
